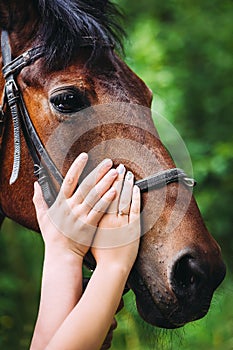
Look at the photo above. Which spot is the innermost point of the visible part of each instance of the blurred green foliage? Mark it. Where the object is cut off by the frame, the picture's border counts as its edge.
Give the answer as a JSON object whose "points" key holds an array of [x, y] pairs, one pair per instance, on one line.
{"points": [[21, 255], [183, 51]]}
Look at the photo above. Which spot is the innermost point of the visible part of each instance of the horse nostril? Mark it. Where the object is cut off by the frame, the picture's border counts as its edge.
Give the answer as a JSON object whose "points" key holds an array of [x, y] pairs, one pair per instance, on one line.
{"points": [[187, 276]]}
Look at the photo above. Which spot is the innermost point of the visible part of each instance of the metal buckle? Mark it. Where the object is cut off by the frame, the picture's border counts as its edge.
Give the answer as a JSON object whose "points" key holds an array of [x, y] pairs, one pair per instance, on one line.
{"points": [[12, 92]]}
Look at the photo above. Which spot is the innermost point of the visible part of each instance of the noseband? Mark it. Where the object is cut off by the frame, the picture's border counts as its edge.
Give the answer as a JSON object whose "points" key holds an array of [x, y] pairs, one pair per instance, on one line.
{"points": [[44, 167]]}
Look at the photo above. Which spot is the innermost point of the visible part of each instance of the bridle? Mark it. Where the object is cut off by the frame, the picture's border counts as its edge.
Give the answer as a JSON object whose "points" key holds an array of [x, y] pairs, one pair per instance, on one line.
{"points": [[44, 167]]}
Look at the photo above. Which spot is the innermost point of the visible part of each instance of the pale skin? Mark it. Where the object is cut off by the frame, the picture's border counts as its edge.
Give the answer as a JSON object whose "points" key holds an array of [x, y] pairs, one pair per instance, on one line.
{"points": [[68, 318]]}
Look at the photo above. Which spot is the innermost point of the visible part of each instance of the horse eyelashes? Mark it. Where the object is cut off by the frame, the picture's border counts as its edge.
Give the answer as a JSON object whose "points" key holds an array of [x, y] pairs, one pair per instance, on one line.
{"points": [[69, 101]]}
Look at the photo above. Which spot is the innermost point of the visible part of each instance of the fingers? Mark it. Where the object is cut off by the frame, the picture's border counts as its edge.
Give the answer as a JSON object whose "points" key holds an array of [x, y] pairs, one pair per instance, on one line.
{"points": [[91, 180], [71, 179], [100, 208], [126, 194], [135, 204], [38, 200], [99, 190], [113, 208]]}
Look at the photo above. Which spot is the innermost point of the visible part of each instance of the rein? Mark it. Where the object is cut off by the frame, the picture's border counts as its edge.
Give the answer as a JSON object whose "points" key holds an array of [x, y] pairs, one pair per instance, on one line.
{"points": [[44, 168]]}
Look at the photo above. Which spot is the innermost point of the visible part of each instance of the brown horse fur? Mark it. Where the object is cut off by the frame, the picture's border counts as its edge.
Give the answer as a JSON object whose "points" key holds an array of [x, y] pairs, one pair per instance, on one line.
{"points": [[178, 267]]}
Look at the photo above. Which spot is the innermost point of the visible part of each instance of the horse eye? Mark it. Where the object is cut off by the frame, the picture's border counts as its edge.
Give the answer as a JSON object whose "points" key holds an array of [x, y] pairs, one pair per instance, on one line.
{"points": [[69, 101]]}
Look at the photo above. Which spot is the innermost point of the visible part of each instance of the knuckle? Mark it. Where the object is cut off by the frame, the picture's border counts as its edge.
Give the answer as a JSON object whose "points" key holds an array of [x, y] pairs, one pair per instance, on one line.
{"points": [[70, 180], [125, 203], [135, 210], [82, 222], [99, 207]]}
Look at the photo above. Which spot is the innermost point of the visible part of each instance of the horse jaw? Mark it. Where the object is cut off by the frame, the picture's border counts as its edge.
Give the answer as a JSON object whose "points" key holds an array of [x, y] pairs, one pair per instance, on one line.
{"points": [[178, 268]]}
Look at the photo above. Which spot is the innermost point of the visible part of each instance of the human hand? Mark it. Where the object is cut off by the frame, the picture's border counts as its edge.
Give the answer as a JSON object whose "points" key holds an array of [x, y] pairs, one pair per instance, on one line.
{"points": [[117, 239], [72, 220]]}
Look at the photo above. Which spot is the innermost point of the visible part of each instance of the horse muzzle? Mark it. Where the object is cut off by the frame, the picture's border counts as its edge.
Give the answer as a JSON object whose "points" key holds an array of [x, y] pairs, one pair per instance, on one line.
{"points": [[185, 297]]}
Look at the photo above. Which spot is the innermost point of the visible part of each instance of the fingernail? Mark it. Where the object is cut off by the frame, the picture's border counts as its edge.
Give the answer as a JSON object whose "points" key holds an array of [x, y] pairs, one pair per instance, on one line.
{"points": [[120, 169], [111, 192], [129, 175], [83, 155], [113, 172], [107, 162], [36, 185]]}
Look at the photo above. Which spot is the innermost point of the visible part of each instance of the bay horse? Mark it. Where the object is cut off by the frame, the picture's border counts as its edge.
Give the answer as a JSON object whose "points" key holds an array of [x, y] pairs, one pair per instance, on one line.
{"points": [[59, 61]]}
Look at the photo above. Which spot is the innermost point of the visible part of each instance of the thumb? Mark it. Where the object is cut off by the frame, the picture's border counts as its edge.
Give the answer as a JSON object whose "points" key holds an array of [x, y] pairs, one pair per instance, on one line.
{"points": [[38, 200]]}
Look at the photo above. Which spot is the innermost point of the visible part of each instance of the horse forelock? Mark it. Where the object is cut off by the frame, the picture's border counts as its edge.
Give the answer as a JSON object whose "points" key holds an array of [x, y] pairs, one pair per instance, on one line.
{"points": [[64, 25]]}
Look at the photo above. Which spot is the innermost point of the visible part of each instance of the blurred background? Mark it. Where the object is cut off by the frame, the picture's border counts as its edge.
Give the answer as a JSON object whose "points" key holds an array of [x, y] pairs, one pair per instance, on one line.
{"points": [[182, 49]]}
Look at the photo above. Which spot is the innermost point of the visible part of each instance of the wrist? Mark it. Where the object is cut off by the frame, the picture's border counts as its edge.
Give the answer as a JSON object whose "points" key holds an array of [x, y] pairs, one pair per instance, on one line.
{"points": [[116, 269], [63, 268], [55, 255]]}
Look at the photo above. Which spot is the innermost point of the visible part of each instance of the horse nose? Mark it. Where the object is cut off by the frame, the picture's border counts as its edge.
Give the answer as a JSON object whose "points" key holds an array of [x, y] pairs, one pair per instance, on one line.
{"points": [[191, 274]]}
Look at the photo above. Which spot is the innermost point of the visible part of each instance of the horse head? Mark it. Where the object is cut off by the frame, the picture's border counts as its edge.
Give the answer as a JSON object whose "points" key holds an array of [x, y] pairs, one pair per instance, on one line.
{"points": [[81, 96]]}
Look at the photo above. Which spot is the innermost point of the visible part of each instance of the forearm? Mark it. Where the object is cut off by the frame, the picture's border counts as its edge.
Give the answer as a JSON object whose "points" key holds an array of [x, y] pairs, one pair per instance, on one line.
{"points": [[87, 325], [60, 291]]}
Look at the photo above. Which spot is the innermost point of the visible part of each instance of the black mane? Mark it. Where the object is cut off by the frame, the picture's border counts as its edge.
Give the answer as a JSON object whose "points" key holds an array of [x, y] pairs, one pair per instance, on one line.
{"points": [[65, 25]]}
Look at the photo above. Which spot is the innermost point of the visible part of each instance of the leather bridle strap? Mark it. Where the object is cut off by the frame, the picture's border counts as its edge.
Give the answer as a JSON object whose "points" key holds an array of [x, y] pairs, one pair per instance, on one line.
{"points": [[11, 94], [43, 164], [164, 178], [16, 65]]}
